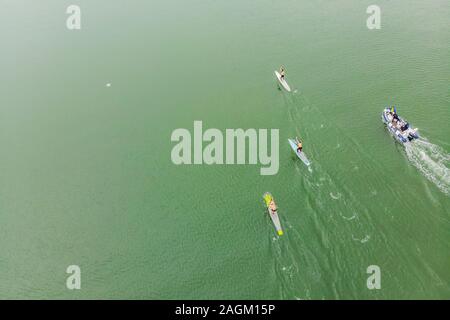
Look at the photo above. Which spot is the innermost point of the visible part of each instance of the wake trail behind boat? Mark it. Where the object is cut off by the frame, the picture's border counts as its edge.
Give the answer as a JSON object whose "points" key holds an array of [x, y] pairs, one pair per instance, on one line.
{"points": [[432, 162]]}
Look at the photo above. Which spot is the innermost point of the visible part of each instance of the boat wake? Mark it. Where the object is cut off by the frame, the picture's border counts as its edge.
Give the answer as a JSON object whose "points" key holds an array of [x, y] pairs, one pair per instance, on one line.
{"points": [[432, 161]]}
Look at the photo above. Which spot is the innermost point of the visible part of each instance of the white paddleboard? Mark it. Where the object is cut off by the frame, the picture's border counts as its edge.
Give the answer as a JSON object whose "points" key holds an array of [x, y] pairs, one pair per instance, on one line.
{"points": [[283, 82]]}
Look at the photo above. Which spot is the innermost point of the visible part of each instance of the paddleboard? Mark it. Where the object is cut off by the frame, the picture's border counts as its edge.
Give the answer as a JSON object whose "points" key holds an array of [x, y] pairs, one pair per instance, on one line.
{"points": [[273, 214]]}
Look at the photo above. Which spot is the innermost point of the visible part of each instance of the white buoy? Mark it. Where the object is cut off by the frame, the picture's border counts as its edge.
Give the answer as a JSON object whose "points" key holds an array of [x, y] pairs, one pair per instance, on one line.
{"points": [[108, 85]]}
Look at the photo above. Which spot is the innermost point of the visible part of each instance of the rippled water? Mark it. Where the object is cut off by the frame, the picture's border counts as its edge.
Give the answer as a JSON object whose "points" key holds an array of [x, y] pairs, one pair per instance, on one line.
{"points": [[86, 177], [432, 161]]}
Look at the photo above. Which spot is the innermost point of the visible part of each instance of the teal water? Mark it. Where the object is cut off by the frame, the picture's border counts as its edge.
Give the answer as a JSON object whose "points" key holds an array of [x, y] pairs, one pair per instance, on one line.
{"points": [[86, 176]]}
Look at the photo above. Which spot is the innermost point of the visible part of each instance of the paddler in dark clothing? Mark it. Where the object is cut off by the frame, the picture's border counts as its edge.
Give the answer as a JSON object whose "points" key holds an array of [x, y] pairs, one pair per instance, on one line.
{"points": [[282, 73], [299, 145]]}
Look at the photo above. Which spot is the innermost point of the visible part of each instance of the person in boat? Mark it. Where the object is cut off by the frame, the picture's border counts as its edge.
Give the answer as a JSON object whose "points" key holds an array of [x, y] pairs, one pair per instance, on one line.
{"points": [[395, 119], [405, 126], [273, 206], [394, 123], [393, 113], [282, 73], [299, 145], [395, 116]]}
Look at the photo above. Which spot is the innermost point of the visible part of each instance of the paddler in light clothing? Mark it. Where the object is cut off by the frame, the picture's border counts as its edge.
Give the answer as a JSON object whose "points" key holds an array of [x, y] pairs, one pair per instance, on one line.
{"points": [[272, 206], [299, 145]]}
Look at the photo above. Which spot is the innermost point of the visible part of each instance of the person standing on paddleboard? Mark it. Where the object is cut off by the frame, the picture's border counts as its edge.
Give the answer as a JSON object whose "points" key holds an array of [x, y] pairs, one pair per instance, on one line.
{"points": [[282, 73], [273, 206], [299, 145]]}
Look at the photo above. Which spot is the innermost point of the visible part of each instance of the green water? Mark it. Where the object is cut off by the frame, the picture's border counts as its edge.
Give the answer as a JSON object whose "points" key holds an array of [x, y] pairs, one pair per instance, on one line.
{"points": [[86, 176]]}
